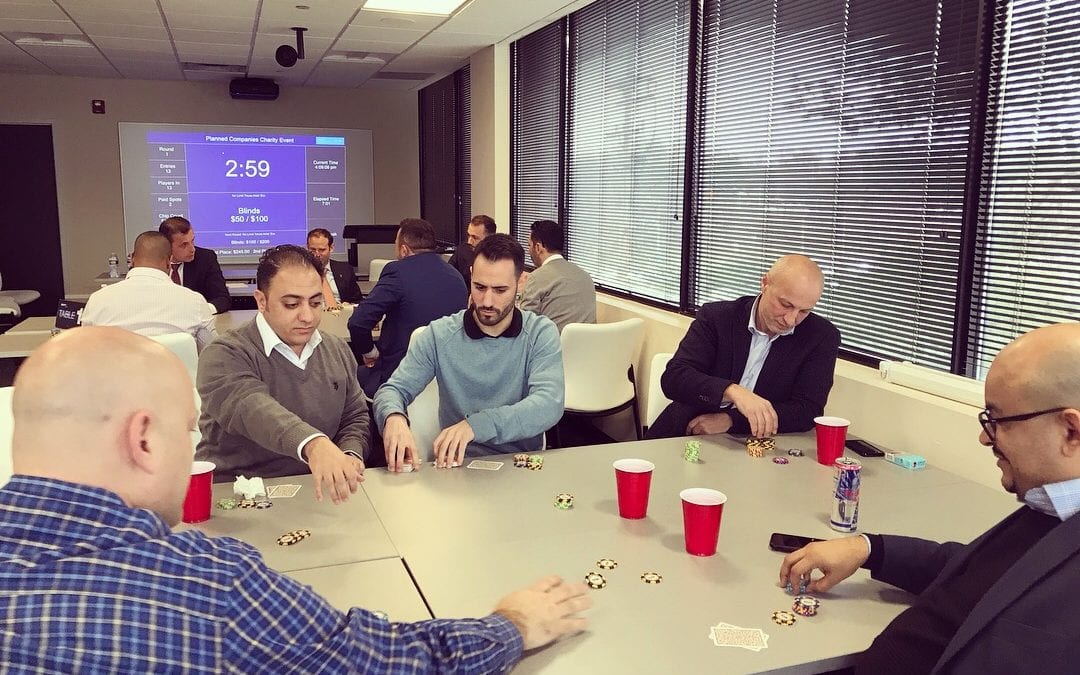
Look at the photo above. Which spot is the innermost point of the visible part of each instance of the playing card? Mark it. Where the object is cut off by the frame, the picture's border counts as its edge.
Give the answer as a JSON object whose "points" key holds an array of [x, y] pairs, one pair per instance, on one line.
{"points": [[727, 635], [485, 465], [282, 491]]}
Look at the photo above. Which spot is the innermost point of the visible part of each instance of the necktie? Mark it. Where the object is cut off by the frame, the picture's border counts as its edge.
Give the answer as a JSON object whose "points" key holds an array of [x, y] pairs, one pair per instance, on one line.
{"points": [[328, 293], [175, 272]]}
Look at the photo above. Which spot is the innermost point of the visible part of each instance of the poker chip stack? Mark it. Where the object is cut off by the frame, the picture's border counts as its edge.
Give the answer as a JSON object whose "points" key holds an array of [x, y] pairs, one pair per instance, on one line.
{"points": [[783, 618], [757, 447], [535, 463], [806, 605], [226, 503], [293, 537], [521, 460], [693, 451]]}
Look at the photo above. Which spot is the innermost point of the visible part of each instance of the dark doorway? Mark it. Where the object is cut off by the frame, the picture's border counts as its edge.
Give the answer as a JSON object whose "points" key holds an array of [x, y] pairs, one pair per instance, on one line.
{"points": [[29, 218]]}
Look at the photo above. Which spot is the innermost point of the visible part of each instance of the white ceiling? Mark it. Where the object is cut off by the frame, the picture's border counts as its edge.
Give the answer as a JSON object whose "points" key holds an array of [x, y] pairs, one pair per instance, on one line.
{"points": [[345, 45]]}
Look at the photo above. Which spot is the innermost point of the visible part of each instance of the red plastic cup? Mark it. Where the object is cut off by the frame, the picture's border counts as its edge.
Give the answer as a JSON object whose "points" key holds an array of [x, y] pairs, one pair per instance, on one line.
{"points": [[197, 500], [632, 479], [702, 509], [831, 434]]}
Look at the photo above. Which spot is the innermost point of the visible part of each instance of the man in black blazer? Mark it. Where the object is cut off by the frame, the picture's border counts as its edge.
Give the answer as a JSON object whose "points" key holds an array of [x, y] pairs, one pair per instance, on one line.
{"points": [[195, 267], [340, 275], [759, 364], [1004, 602]]}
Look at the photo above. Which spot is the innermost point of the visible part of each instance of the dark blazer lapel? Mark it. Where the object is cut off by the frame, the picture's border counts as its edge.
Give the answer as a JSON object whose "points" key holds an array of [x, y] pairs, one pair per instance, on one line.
{"points": [[1052, 551], [740, 342]]}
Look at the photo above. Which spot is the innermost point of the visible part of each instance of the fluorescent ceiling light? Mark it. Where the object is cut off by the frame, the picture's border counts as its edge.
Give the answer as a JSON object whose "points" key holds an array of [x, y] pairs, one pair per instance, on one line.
{"points": [[439, 7], [48, 40]]}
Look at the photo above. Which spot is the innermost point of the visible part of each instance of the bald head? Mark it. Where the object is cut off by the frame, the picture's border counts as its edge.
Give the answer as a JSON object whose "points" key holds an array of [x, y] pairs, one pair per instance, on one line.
{"points": [[798, 269], [789, 290], [107, 408], [1043, 366], [152, 249]]}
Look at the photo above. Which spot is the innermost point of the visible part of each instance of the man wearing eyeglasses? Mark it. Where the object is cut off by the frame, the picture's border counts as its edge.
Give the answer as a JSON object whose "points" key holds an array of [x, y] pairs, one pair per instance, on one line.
{"points": [[1004, 602]]}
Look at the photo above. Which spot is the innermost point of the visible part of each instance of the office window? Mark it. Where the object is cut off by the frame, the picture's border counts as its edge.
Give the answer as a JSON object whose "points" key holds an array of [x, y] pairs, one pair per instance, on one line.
{"points": [[445, 187], [838, 129], [626, 140], [537, 63], [1027, 255]]}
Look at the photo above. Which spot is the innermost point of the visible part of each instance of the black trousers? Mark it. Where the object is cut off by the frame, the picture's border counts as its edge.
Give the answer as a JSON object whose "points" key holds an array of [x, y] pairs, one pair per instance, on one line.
{"points": [[671, 423]]}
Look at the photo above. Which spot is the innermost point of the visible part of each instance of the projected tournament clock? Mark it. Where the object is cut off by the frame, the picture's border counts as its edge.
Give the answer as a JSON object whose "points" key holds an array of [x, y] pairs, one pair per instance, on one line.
{"points": [[247, 192]]}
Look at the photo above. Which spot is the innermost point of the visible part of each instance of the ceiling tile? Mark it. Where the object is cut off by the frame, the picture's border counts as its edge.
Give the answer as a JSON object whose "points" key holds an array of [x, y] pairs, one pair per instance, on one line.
{"points": [[61, 27], [423, 49], [32, 10], [324, 17], [226, 8], [139, 44], [137, 55], [216, 37], [391, 35], [397, 20], [368, 46], [204, 22], [97, 12], [95, 30], [193, 51]]}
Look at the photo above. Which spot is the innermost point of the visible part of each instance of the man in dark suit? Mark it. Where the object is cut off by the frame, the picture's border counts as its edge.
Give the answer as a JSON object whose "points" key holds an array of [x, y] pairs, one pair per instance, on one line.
{"points": [[412, 291], [1003, 603], [195, 267], [479, 228], [759, 364], [340, 275]]}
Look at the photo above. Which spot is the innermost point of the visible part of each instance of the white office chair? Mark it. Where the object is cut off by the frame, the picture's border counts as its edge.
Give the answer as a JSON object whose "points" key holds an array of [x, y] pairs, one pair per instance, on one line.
{"points": [[7, 427], [375, 269], [11, 302], [657, 399], [598, 366], [183, 345], [424, 413]]}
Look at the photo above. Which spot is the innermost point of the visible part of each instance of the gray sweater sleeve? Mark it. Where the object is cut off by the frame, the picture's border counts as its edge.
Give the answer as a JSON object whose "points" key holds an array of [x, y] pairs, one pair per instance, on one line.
{"points": [[241, 403], [542, 407], [354, 434], [414, 373]]}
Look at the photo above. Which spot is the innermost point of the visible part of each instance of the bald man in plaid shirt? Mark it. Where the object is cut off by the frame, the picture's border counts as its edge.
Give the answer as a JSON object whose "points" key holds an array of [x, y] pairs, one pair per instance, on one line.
{"points": [[92, 579]]}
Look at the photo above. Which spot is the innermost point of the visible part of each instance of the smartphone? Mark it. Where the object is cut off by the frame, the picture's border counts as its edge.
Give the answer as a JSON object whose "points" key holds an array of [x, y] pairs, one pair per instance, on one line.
{"points": [[786, 543], [863, 448]]}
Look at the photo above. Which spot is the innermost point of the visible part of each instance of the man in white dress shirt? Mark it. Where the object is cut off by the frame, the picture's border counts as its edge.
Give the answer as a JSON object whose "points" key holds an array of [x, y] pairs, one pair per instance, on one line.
{"points": [[147, 302]]}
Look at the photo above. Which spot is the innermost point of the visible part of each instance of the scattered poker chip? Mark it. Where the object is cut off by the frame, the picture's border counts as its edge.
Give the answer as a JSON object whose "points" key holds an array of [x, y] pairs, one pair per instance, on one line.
{"points": [[521, 460], [780, 460], [293, 537], [595, 580], [226, 503], [264, 504], [783, 618], [607, 563], [651, 577], [806, 605], [564, 500], [535, 462], [692, 453], [795, 452], [802, 587], [245, 504]]}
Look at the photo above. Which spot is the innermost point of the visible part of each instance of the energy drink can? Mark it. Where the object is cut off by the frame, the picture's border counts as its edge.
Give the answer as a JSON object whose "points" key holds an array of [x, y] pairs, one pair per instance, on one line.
{"points": [[845, 506]]}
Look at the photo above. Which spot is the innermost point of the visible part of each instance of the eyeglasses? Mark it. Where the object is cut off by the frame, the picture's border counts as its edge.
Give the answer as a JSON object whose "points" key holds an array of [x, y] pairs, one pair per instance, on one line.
{"points": [[989, 422]]}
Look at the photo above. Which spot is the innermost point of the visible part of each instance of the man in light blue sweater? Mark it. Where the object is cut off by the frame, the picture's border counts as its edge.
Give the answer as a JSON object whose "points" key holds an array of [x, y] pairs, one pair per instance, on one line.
{"points": [[499, 371]]}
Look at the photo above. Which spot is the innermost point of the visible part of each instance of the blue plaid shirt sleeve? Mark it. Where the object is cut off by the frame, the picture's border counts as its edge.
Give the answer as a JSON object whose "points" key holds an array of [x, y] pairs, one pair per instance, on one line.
{"points": [[279, 625]]}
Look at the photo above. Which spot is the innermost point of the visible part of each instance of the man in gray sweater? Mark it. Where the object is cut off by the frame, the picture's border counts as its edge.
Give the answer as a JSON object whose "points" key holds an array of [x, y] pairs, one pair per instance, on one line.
{"points": [[499, 371], [278, 397]]}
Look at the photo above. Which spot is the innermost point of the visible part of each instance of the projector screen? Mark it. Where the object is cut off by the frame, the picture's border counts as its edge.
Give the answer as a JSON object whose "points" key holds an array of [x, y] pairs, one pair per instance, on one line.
{"points": [[245, 189]]}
